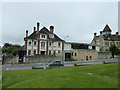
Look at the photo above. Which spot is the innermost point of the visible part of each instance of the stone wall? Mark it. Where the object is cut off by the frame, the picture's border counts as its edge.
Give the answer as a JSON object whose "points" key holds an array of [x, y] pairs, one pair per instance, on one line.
{"points": [[31, 59], [9, 59], [41, 59], [81, 54], [104, 55]]}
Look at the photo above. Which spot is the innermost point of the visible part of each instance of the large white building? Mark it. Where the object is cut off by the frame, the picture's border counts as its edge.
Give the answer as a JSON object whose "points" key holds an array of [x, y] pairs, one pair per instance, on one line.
{"points": [[43, 41]]}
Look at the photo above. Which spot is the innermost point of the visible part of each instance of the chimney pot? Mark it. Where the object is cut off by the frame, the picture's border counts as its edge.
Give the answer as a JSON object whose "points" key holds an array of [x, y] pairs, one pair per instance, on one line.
{"points": [[34, 29], [116, 33], [38, 24], [52, 29], [95, 34], [26, 33]]}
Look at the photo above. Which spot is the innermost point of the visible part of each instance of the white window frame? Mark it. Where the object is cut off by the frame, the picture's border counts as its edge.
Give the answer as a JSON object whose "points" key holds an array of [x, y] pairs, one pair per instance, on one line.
{"points": [[51, 35], [43, 37], [43, 47]]}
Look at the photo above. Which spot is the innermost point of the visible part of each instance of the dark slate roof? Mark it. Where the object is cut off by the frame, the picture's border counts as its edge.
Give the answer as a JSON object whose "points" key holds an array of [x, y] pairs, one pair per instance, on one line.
{"points": [[32, 36], [44, 30], [56, 38], [113, 37], [107, 28]]}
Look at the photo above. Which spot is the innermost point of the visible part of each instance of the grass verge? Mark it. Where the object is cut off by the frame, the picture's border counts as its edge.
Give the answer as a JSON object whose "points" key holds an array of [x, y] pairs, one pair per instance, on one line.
{"points": [[90, 76]]}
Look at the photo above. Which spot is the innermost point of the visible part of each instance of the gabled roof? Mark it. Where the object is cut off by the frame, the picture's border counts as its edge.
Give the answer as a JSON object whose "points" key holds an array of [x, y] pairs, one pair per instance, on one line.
{"points": [[32, 36], [44, 30], [106, 29]]}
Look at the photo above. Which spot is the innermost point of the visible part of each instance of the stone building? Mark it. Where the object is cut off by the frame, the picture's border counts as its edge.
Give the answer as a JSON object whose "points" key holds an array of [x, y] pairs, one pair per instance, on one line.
{"points": [[78, 51], [103, 41], [43, 41]]}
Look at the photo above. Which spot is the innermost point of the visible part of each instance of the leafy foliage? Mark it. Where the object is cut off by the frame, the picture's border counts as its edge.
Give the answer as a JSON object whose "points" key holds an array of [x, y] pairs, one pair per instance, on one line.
{"points": [[115, 50], [10, 49]]}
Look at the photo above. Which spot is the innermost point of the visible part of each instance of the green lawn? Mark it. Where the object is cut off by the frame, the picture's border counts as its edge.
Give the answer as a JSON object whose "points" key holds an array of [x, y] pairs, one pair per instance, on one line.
{"points": [[91, 76]]}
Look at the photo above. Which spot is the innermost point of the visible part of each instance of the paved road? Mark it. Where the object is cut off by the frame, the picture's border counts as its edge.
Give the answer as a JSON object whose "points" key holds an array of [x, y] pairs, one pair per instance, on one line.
{"points": [[66, 64]]}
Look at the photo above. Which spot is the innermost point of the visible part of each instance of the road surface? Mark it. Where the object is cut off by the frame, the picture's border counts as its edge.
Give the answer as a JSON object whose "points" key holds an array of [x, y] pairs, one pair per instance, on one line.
{"points": [[66, 64]]}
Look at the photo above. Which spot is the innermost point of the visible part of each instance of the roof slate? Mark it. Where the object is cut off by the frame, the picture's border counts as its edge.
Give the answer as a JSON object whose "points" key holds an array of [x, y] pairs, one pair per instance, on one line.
{"points": [[44, 30]]}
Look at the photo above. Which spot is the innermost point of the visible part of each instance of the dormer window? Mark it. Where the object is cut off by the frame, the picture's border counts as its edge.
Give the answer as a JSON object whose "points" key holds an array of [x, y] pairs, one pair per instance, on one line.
{"points": [[51, 35]]}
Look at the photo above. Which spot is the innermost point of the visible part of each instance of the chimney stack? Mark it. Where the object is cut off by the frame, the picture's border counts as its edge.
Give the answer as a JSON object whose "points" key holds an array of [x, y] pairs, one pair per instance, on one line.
{"points": [[38, 24], [26, 33], [52, 29], [95, 34], [116, 33], [34, 29]]}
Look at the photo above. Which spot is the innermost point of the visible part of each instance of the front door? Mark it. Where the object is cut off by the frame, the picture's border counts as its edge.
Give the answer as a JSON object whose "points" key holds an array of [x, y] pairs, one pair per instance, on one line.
{"points": [[21, 57], [67, 56], [42, 52]]}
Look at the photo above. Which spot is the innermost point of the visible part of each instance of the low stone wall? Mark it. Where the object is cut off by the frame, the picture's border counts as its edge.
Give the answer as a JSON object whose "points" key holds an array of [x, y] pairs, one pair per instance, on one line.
{"points": [[9, 60], [41, 59], [31, 59], [104, 55]]}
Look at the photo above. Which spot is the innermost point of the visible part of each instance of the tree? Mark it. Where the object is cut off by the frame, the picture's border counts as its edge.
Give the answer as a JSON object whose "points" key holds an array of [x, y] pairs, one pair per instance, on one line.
{"points": [[10, 49], [7, 45], [114, 50]]}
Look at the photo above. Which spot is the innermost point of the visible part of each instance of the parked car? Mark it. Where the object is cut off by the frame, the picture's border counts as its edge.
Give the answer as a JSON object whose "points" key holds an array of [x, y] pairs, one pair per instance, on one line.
{"points": [[56, 63]]}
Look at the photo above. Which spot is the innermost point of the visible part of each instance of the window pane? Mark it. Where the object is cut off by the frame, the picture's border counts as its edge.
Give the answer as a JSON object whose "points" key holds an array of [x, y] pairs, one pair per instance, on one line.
{"points": [[34, 42], [42, 45], [29, 52], [50, 43], [43, 36], [29, 42], [59, 44]]}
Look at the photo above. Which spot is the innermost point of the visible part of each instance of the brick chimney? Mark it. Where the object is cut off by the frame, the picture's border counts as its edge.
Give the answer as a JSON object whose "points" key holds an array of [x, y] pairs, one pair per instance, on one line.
{"points": [[26, 33], [38, 24], [95, 34], [52, 29]]}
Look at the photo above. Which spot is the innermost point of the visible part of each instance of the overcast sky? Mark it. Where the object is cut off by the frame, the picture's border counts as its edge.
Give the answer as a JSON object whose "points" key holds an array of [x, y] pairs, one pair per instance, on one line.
{"points": [[78, 20]]}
